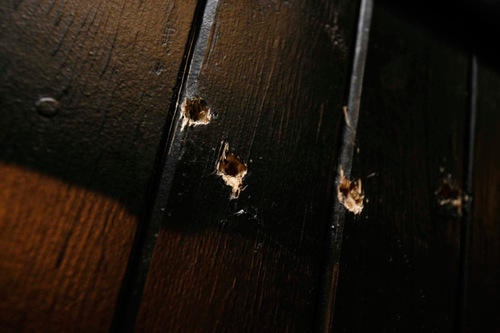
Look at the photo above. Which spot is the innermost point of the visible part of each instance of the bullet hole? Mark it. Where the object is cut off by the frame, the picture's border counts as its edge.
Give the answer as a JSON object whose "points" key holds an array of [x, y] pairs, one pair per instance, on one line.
{"points": [[449, 195], [47, 107], [195, 112], [232, 169], [350, 194]]}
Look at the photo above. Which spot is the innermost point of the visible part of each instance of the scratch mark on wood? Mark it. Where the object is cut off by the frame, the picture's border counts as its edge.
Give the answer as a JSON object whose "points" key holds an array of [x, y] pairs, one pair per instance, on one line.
{"points": [[67, 237], [264, 96], [321, 110], [213, 38], [50, 6], [449, 195], [195, 112], [304, 219], [109, 53], [61, 38], [126, 315]]}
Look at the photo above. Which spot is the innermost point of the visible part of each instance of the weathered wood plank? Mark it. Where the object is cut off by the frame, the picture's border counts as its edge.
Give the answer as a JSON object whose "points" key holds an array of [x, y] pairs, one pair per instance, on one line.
{"points": [[483, 296], [85, 92], [331, 263], [400, 257], [275, 73]]}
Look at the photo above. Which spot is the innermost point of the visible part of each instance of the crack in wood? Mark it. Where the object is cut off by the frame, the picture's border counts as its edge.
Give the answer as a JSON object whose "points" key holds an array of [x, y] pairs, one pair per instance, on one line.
{"points": [[350, 194], [351, 114], [144, 244]]}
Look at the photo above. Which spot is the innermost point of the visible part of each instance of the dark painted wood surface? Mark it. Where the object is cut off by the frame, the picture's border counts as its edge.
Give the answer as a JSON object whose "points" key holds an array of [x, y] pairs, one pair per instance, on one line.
{"points": [[111, 66], [85, 91], [400, 258], [275, 73], [483, 297]]}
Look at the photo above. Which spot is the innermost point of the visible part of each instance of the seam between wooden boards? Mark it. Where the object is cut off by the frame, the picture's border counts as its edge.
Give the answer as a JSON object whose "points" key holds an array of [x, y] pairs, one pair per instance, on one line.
{"points": [[130, 295], [467, 217], [324, 312]]}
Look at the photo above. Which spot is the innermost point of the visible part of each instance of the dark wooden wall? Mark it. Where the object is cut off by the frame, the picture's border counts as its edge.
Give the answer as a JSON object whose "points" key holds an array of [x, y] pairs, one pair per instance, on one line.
{"points": [[74, 170], [400, 258], [255, 262], [113, 218]]}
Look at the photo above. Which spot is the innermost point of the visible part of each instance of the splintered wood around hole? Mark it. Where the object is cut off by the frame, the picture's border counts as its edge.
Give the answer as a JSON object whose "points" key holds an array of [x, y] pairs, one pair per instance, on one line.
{"points": [[232, 169], [350, 194], [448, 194], [195, 112]]}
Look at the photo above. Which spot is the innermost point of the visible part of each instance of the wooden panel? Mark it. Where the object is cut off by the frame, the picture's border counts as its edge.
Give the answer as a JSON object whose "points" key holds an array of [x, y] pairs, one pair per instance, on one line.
{"points": [[275, 73], [483, 298], [111, 67], [400, 257], [85, 92]]}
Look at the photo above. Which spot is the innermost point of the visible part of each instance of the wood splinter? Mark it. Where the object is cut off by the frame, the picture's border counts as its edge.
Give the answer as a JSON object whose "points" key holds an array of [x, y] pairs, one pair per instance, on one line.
{"points": [[350, 194], [232, 169], [346, 117]]}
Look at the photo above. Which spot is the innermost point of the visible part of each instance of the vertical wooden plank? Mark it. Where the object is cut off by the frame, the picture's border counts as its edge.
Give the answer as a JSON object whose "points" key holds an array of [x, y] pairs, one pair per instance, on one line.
{"points": [[400, 257], [482, 301], [331, 263], [85, 91], [275, 73]]}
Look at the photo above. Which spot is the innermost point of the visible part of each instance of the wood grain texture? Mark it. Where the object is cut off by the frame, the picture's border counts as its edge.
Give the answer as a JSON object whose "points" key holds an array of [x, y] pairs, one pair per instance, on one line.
{"points": [[111, 66], [483, 298], [275, 73], [68, 223], [62, 251], [400, 257]]}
